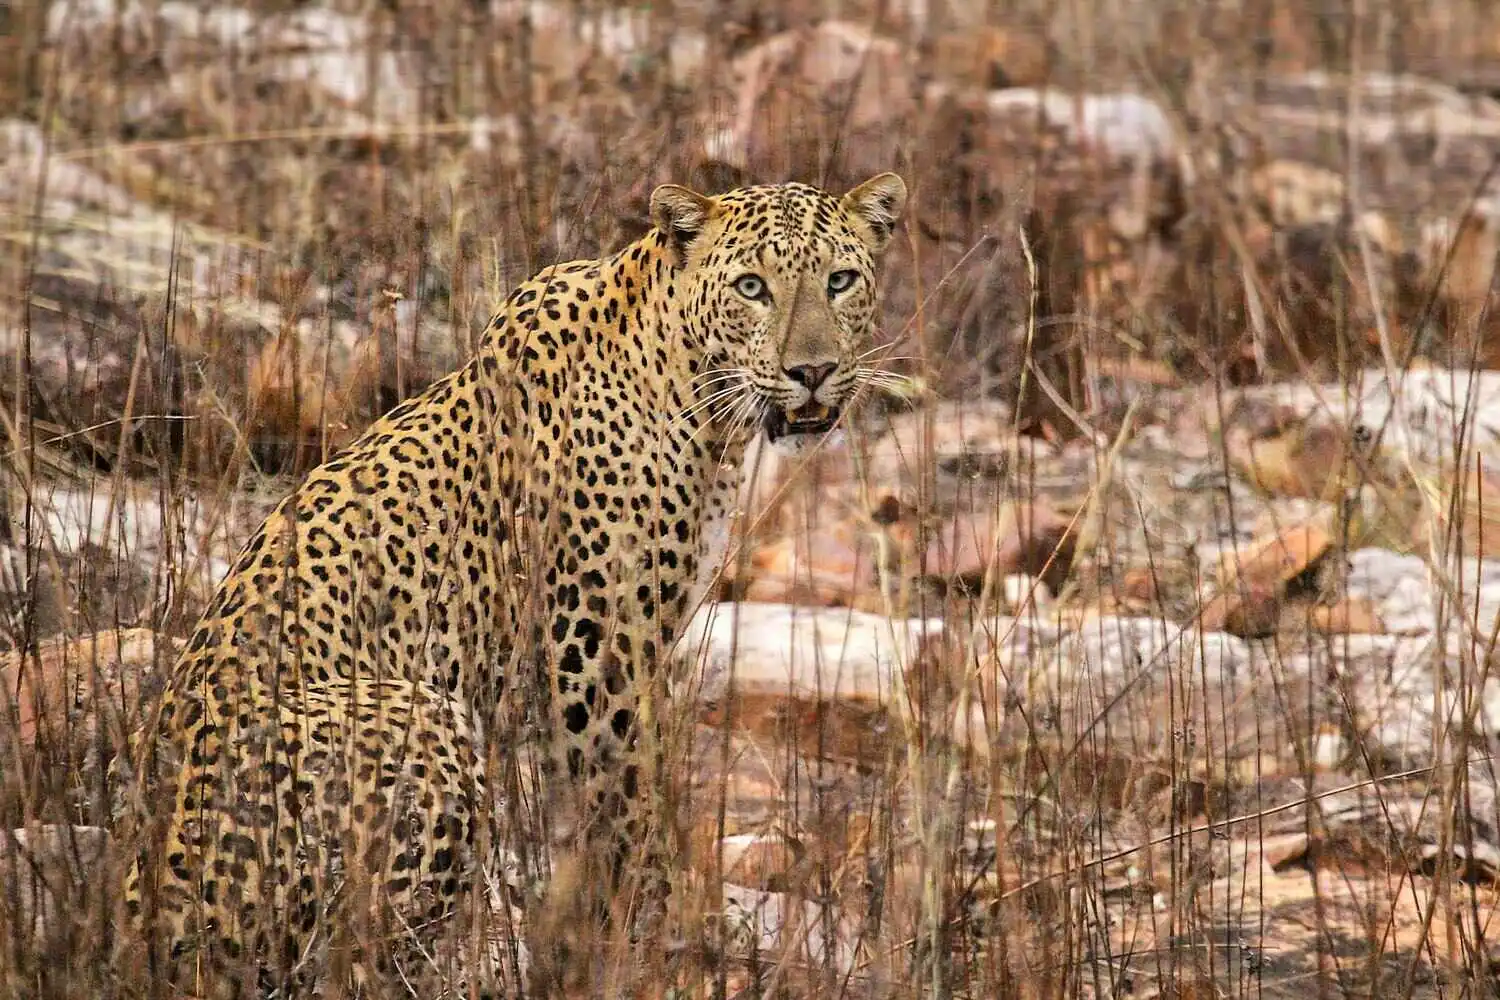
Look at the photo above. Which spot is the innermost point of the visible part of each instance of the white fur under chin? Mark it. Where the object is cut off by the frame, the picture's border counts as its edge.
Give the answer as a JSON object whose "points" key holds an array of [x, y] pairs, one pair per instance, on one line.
{"points": [[792, 445]]}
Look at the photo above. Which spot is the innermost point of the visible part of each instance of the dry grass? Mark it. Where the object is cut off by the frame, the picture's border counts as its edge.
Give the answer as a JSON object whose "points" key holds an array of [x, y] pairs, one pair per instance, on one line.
{"points": [[1085, 839]]}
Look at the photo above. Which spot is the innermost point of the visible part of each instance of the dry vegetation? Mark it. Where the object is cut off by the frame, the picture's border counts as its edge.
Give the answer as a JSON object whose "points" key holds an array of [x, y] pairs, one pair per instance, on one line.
{"points": [[1187, 496]]}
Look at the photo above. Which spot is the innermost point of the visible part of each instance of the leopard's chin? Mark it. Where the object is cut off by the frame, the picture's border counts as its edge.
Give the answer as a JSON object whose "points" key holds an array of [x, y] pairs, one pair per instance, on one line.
{"points": [[808, 420]]}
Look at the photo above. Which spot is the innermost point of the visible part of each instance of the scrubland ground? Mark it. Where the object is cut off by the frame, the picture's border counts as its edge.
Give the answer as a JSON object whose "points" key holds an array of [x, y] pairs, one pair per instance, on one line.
{"points": [[1141, 647]]}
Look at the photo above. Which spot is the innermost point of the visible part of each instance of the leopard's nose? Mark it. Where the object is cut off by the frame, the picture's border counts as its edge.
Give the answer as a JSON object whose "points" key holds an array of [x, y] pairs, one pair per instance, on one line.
{"points": [[810, 376]]}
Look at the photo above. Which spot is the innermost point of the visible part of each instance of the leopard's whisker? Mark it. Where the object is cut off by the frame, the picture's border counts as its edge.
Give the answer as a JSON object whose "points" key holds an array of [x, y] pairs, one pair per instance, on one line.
{"points": [[867, 372], [705, 392], [730, 404], [740, 381], [712, 369], [863, 389], [742, 412], [730, 407], [882, 347], [705, 404], [892, 384], [709, 378], [752, 415], [900, 388], [720, 374], [718, 393], [740, 415], [889, 379]]}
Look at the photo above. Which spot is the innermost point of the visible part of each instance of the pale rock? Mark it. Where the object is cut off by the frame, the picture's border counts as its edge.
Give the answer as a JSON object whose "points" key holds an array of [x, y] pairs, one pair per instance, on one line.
{"points": [[766, 861], [1398, 718], [1421, 413], [1409, 597], [961, 440], [1483, 858], [319, 46], [1015, 641], [1393, 106], [781, 86], [803, 653], [825, 565], [1105, 669], [960, 436], [1397, 586], [1022, 590], [138, 248], [778, 927], [1328, 749], [131, 523], [1117, 649], [1005, 648], [26, 160], [1125, 126], [1388, 684], [567, 35], [106, 265]]}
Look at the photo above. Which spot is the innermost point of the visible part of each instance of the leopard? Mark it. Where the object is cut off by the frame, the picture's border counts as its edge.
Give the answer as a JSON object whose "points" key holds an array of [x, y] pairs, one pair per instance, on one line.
{"points": [[317, 793]]}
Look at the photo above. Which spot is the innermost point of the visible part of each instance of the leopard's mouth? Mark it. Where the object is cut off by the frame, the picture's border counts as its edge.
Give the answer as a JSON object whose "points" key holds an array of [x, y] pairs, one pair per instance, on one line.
{"points": [[810, 418]]}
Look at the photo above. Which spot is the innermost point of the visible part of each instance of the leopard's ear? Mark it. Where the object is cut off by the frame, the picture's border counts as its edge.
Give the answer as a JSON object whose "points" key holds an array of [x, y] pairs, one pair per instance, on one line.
{"points": [[679, 214], [878, 203]]}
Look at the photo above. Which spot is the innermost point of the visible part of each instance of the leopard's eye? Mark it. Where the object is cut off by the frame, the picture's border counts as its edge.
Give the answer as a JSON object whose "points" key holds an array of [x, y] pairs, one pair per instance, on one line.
{"points": [[751, 286], [841, 281]]}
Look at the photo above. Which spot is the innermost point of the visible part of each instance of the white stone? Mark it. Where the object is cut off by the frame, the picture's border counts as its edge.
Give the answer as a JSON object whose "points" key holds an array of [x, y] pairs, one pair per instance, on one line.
{"points": [[1421, 412], [777, 927], [1118, 648], [1124, 125], [1462, 599], [313, 45], [813, 653]]}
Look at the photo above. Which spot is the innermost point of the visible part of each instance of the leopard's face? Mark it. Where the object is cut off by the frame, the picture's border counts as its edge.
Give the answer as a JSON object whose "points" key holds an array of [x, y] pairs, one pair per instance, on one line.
{"points": [[780, 285]]}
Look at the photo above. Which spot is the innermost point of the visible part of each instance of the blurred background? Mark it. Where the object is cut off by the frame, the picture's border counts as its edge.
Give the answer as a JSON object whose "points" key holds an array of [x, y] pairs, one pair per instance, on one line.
{"points": [[332, 196]]}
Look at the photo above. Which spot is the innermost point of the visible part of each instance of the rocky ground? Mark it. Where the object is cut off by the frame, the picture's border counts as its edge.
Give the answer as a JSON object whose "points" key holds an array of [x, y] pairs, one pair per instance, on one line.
{"points": [[1143, 650]]}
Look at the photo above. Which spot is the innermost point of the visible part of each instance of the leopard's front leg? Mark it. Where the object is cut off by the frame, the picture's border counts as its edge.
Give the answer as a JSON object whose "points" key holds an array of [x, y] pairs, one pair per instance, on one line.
{"points": [[611, 875]]}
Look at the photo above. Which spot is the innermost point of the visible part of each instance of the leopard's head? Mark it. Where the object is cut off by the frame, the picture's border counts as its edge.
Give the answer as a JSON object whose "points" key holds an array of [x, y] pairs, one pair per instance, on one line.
{"points": [[778, 283]]}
